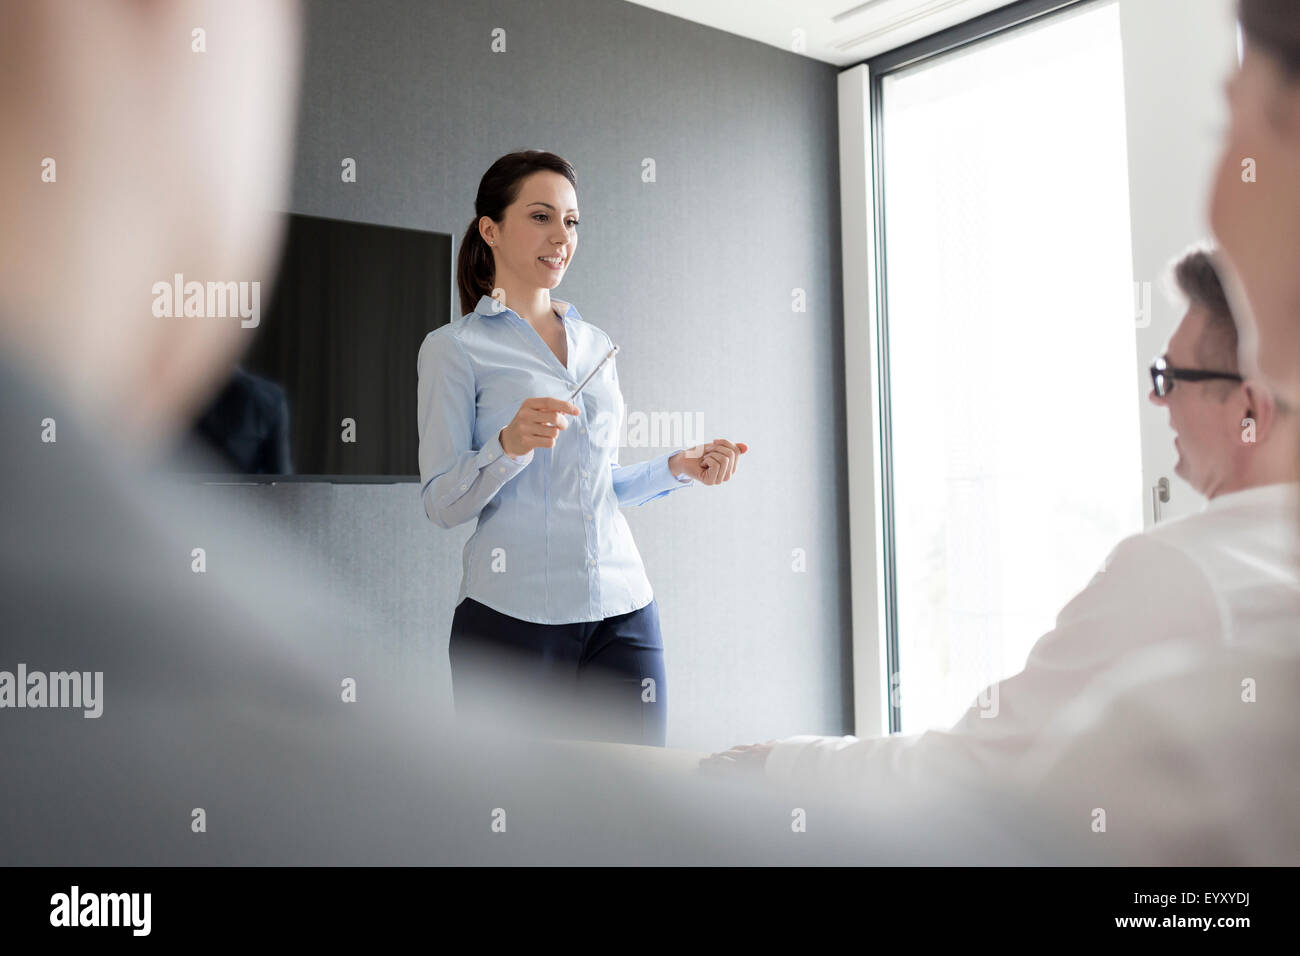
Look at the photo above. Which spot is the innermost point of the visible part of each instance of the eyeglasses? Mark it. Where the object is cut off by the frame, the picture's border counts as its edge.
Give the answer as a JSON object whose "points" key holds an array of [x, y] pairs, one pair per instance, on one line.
{"points": [[1163, 376]]}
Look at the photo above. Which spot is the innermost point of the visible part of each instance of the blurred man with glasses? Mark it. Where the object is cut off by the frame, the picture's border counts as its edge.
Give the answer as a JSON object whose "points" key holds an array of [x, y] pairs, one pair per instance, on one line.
{"points": [[1226, 429], [1225, 575]]}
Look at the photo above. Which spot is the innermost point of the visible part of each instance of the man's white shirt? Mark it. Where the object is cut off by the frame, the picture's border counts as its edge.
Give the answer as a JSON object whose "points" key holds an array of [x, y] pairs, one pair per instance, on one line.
{"points": [[1182, 757], [1228, 576]]}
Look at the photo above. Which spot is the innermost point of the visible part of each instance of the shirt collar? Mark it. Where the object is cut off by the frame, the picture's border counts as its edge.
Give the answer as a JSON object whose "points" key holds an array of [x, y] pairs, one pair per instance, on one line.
{"points": [[1280, 495], [489, 306]]}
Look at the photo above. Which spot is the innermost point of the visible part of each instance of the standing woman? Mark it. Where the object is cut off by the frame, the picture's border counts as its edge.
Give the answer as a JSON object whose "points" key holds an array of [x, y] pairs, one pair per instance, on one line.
{"points": [[556, 628]]}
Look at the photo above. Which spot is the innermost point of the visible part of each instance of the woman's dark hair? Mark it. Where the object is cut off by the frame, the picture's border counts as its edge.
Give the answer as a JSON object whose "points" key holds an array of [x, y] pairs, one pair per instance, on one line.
{"points": [[1273, 26], [499, 187]]}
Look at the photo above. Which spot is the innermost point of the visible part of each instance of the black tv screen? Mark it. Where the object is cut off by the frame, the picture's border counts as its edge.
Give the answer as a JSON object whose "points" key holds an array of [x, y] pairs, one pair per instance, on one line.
{"points": [[327, 389]]}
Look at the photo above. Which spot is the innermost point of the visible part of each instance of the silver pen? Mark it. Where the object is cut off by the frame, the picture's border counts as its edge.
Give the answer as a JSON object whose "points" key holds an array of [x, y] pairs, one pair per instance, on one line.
{"points": [[607, 357]]}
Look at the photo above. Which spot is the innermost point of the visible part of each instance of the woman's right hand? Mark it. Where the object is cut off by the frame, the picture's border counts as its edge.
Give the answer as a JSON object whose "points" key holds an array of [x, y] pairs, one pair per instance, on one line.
{"points": [[535, 424]]}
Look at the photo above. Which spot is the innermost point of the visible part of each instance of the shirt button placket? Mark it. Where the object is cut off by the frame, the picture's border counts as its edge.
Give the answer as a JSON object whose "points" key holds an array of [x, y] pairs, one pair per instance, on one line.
{"points": [[593, 572]]}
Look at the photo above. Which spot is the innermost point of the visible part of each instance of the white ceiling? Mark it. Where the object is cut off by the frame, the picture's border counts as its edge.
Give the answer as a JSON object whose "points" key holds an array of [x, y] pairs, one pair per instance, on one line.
{"points": [[842, 32]]}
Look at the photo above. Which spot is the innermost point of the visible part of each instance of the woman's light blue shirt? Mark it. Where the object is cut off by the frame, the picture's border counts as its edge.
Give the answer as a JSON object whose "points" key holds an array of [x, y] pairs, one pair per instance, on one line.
{"points": [[550, 545]]}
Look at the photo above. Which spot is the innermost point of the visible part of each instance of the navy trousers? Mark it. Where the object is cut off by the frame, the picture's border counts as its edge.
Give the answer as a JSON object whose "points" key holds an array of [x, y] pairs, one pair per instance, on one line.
{"points": [[592, 680]]}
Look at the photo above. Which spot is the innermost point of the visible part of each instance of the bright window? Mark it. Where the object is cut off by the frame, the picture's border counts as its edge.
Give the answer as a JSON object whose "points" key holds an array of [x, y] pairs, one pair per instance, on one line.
{"points": [[1010, 326]]}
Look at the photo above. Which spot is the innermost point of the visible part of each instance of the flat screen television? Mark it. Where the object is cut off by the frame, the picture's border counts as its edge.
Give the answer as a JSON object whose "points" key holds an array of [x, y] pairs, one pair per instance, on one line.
{"points": [[326, 391]]}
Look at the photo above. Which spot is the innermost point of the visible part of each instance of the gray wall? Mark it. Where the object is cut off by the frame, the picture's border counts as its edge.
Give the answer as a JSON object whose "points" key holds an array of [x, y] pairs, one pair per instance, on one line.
{"points": [[692, 275]]}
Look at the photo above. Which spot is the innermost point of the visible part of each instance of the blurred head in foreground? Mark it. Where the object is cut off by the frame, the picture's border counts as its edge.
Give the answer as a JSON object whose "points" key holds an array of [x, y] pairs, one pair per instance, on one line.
{"points": [[141, 140], [1255, 201]]}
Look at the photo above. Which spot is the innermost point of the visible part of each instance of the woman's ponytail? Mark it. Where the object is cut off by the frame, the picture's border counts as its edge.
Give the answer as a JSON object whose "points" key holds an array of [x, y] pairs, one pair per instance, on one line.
{"points": [[474, 269]]}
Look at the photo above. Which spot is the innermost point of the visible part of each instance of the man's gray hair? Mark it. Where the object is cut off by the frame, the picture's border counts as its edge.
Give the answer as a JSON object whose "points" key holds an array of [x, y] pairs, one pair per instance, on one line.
{"points": [[1196, 275]]}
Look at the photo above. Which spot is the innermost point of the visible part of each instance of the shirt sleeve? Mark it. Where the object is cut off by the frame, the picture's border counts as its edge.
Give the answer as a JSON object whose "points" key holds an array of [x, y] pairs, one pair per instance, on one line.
{"points": [[646, 481], [1186, 772], [456, 480], [1147, 594]]}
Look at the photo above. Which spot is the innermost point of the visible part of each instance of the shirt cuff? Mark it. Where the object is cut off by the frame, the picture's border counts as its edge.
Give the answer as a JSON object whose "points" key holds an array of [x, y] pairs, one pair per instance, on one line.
{"points": [[795, 755], [494, 456], [672, 480]]}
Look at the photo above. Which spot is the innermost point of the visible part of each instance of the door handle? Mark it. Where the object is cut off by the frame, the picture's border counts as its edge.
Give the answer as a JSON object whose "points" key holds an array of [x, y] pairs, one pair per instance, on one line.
{"points": [[1159, 496]]}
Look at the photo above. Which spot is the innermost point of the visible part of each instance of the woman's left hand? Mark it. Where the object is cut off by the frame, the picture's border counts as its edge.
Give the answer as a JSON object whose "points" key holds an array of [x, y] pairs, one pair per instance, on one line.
{"points": [[711, 463]]}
